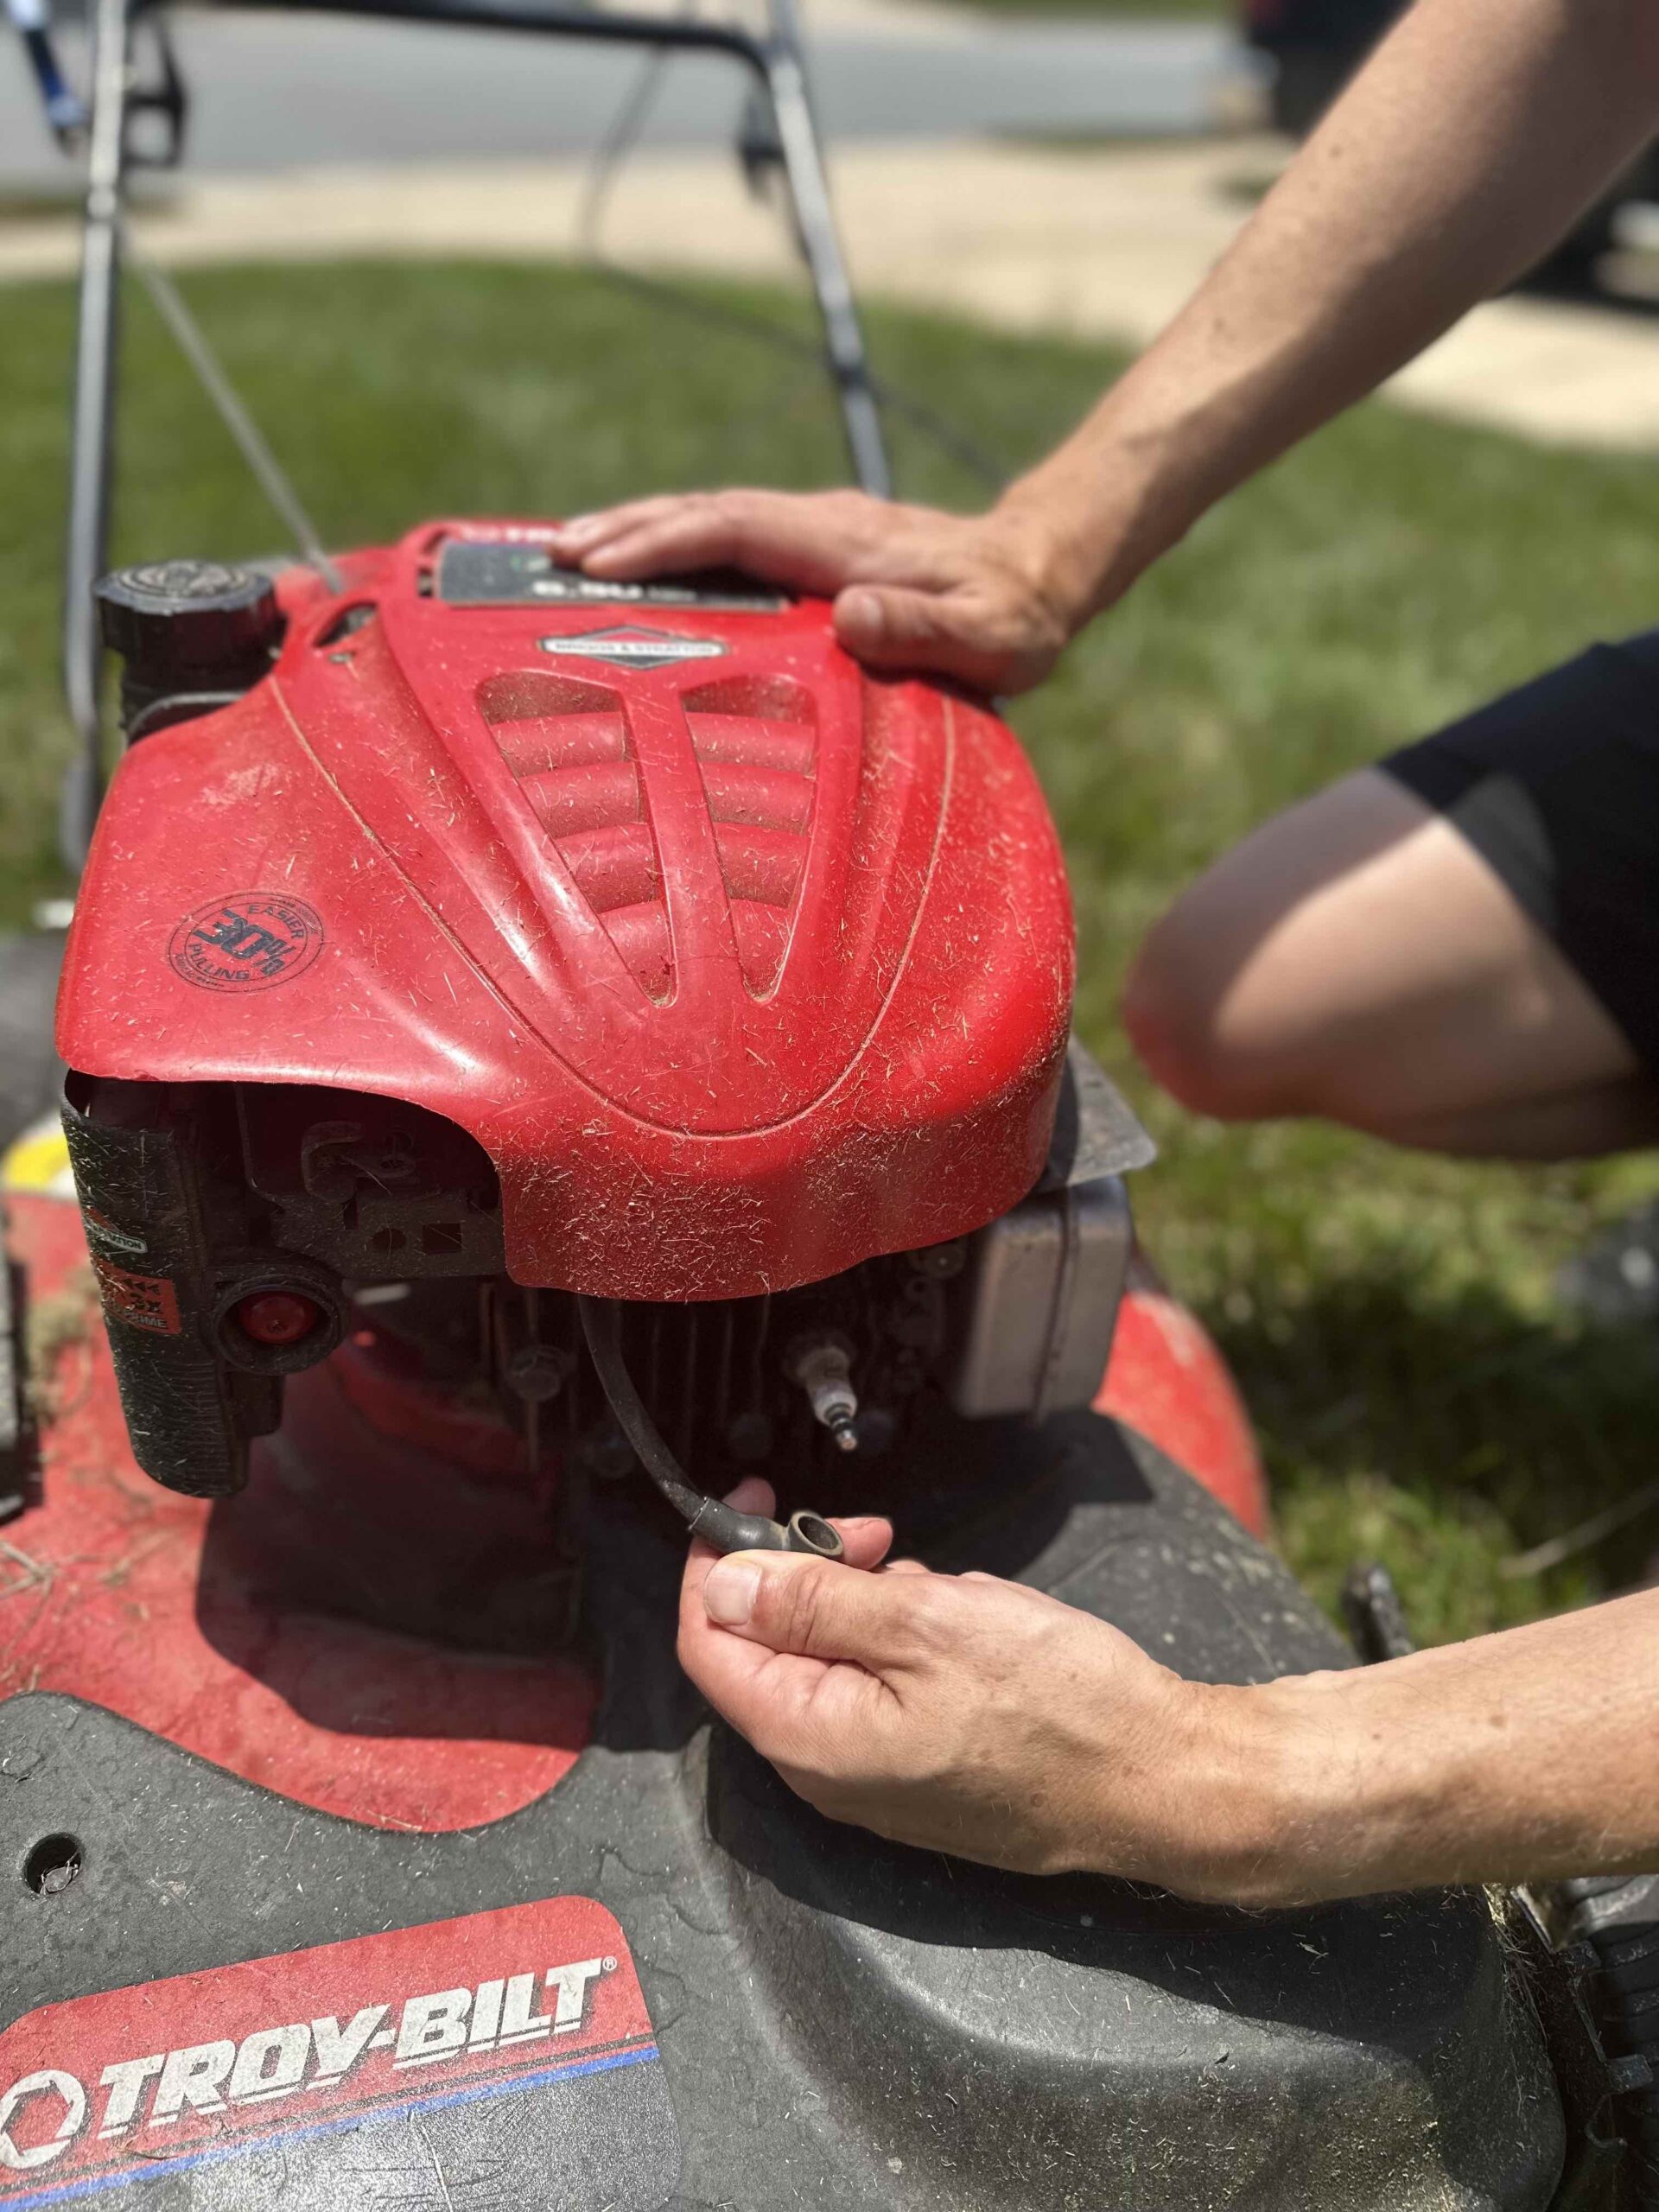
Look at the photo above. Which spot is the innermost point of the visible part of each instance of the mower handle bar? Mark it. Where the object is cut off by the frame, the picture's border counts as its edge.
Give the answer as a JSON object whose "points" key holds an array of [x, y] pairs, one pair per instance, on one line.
{"points": [[612, 26], [774, 61]]}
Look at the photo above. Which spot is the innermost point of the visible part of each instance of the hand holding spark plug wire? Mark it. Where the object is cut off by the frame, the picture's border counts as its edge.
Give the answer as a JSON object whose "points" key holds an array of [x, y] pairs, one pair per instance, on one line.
{"points": [[958, 1712], [967, 1715]]}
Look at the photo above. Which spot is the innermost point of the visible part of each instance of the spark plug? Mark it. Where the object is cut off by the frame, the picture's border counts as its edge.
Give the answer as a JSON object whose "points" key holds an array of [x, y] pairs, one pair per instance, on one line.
{"points": [[822, 1367]]}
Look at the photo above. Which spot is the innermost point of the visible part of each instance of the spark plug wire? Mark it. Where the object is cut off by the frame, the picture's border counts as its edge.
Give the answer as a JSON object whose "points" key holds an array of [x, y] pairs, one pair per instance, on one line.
{"points": [[716, 1523]]}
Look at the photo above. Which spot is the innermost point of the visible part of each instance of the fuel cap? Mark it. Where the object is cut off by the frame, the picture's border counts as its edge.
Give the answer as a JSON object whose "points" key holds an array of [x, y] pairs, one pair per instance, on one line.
{"points": [[191, 635], [173, 618]]}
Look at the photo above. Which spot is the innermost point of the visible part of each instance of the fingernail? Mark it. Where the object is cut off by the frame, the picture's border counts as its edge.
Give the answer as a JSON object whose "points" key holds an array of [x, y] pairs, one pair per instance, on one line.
{"points": [[577, 522], [729, 1594], [863, 610]]}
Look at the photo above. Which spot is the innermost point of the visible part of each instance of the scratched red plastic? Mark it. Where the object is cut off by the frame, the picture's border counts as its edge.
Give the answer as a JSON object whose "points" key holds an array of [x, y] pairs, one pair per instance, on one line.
{"points": [[742, 965]]}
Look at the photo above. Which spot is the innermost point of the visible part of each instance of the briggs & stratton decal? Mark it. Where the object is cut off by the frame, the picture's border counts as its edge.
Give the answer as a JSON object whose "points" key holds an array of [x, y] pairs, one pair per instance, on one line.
{"points": [[374, 2070], [246, 943], [629, 647], [101, 1231]]}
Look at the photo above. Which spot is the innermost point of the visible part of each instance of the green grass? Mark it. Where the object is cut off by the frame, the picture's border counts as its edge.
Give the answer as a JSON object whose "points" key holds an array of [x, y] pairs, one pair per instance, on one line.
{"points": [[1421, 1398]]}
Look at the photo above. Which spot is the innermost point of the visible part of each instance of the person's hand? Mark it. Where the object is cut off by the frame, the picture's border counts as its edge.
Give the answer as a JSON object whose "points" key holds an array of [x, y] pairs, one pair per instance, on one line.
{"points": [[989, 600], [967, 1715]]}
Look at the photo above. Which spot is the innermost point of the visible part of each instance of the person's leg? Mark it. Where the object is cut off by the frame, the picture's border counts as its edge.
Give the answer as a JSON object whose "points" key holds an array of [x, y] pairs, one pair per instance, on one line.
{"points": [[1357, 959]]}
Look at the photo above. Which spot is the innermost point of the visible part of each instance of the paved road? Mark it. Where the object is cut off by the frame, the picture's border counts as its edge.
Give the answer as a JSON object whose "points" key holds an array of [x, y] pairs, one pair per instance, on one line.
{"points": [[274, 93]]}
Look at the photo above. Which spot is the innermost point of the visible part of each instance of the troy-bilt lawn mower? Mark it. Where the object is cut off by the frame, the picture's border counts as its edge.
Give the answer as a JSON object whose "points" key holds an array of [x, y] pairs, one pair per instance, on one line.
{"points": [[538, 1049]]}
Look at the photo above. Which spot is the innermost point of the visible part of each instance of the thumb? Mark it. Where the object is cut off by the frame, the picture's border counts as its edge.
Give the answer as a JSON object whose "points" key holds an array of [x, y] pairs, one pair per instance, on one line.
{"points": [[887, 627], [814, 1608], [884, 623]]}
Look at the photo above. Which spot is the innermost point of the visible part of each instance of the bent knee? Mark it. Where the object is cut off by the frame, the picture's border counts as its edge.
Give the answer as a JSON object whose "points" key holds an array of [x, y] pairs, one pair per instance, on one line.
{"points": [[1340, 963], [1173, 1011], [1205, 1024]]}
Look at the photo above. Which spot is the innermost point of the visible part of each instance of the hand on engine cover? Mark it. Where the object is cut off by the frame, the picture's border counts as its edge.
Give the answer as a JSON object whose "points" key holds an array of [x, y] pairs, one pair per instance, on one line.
{"points": [[988, 599], [1472, 139]]}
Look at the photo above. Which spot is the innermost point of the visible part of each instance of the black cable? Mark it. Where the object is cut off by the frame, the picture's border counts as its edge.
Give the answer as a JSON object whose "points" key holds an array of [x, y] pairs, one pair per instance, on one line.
{"points": [[723, 315], [716, 1523], [619, 142], [622, 135]]}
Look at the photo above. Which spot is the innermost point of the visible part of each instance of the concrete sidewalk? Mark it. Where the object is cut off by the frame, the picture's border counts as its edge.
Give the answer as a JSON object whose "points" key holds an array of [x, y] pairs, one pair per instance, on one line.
{"points": [[1097, 244]]}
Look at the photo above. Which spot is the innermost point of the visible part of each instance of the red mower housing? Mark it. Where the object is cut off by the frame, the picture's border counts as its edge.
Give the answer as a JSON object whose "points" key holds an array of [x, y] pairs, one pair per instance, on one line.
{"points": [[471, 936], [739, 964], [464, 934]]}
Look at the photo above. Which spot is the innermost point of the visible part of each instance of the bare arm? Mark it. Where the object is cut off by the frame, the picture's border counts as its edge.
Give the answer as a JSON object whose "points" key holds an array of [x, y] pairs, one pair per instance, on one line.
{"points": [[1465, 147], [1515, 1757], [970, 1715], [1478, 132]]}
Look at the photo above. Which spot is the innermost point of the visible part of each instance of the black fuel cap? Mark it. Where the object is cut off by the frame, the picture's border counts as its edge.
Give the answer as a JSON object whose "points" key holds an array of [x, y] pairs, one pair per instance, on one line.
{"points": [[170, 619]]}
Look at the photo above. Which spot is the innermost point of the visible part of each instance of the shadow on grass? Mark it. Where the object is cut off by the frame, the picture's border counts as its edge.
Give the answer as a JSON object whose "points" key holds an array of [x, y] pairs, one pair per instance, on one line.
{"points": [[1445, 1435]]}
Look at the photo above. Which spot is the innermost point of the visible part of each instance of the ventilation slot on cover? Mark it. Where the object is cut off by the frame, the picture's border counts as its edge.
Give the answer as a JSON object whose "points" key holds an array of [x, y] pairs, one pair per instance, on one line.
{"points": [[566, 742], [756, 742]]}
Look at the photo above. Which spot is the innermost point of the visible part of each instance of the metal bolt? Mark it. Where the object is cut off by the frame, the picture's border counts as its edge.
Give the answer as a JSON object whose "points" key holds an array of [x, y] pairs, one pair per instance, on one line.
{"points": [[939, 1261], [537, 1373]]}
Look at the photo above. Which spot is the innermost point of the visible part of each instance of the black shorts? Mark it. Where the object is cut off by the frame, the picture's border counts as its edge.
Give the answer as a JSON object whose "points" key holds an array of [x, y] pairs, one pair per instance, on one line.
{"points": [[1556, 786]]}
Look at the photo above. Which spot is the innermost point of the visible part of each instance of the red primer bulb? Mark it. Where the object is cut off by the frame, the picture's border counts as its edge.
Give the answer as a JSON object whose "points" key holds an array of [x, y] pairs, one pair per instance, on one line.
{"points": [[278, 1317]]}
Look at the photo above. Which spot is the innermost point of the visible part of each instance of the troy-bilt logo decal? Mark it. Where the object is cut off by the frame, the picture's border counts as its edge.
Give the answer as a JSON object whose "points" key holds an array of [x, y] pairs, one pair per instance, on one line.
{"points": [[246, 943], [629, 647], [101, 2090]]}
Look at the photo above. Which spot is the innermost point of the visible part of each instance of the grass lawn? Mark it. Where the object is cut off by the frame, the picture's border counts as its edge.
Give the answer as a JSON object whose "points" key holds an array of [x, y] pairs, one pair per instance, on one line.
{"points": [[1421, 1399]]}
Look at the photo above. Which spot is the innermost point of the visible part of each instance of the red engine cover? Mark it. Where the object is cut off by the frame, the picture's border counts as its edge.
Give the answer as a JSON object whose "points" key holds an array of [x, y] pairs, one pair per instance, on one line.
{"points": [[742, 965]]}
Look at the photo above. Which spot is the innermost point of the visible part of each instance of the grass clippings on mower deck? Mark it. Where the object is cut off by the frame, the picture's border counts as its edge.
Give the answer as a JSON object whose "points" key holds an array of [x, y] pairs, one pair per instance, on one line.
{"points": [[1421, 1398]]}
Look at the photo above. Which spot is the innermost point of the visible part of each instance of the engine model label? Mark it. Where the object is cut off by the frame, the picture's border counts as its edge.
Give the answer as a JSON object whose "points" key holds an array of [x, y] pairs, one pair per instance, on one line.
{"points": [[504, 573], [362, 2065], [248, 942]]}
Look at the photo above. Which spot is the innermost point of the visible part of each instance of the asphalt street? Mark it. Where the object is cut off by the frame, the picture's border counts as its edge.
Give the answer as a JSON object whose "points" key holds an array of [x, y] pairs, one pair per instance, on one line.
{"points": [[273, 92]]}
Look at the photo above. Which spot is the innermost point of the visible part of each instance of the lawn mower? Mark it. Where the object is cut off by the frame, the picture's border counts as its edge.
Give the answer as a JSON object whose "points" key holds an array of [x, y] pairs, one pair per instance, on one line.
{"points": [[537, 1050]]}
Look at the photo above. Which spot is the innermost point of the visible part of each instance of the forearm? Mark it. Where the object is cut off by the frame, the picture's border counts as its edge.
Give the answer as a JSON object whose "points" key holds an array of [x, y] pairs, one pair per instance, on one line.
{"points": [[1464, 150], [1524, 1756]]}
